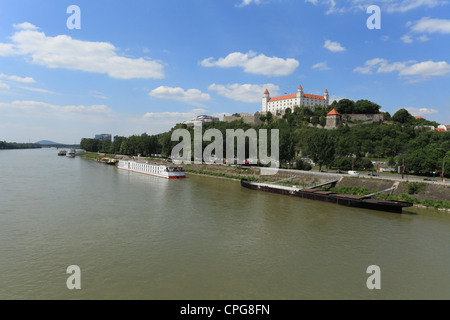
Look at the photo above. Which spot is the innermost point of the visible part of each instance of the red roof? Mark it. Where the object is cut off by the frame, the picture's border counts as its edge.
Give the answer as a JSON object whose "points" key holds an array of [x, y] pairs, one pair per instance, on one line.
{"points": [[440, 129], [300, 87], [313, 96], [418, 117], [326, 91], [334, 112], [289, 96], [266, 92], [292, 96]]}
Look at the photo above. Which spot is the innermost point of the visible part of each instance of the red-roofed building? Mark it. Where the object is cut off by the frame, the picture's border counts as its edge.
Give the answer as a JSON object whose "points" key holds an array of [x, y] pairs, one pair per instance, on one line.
{"points": [[443, 128], [333, 119], [334, 112], [278, 105]]}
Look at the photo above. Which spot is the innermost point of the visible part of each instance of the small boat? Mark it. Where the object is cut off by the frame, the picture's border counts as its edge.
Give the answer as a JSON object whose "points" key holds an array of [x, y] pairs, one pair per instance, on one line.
{"points": [[108, 161], [71, 153], [342, 199], [62, 153], [157, 170]]}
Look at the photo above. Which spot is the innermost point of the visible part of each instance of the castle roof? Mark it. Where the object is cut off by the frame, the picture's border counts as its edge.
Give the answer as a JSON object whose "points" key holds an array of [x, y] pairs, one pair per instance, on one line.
{"points": [[334, 112], [266, 92], [289, 96], [326, 91], [292, 96], [313, 96]]}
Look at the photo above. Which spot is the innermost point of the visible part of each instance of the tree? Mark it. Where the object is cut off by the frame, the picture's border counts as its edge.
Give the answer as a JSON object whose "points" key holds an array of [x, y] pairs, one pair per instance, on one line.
{"points": [[302, 165], [320, 147], [345, 106], [402, 116], [366, 107]]}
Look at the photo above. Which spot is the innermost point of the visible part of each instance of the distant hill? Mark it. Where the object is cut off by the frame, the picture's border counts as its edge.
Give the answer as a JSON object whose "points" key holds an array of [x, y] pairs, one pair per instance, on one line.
{"points": [[47, 142], [52, 144]]}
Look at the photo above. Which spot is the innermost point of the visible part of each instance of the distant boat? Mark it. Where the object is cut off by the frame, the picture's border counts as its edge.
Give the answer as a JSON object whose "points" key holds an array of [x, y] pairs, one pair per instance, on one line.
{"points": [[107, 161], [71, 153], [62, 153]]}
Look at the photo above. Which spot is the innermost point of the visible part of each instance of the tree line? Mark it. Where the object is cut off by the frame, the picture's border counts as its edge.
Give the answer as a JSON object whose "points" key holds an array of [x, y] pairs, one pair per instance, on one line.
{"points": [[14, 145], [401, 140]]}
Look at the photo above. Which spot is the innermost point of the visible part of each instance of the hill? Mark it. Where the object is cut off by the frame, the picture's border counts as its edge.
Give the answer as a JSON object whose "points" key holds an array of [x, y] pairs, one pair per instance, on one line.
{"points": [[47, 142]]}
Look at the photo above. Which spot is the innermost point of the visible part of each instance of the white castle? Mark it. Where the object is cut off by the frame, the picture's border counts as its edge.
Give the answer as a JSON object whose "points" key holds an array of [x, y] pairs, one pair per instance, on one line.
{"points": [[278, 105]]}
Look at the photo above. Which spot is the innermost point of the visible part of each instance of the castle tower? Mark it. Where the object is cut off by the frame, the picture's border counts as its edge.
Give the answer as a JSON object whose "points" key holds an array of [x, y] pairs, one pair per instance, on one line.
{"points": [[300, 92], [265, 101], [327, 97], [333, 119]]}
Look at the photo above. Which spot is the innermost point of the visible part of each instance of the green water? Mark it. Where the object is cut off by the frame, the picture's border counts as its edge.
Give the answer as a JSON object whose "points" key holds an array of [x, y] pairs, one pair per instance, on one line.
{"points": [[139, 237]]}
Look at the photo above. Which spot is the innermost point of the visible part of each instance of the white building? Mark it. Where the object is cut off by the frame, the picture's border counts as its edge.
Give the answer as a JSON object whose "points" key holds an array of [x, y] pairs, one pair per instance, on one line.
{"points": [[201, 119], [278, 105]]}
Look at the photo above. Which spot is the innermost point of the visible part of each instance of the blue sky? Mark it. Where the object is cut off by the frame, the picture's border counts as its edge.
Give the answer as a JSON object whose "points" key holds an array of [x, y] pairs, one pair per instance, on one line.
{"points": [[143, 66]]}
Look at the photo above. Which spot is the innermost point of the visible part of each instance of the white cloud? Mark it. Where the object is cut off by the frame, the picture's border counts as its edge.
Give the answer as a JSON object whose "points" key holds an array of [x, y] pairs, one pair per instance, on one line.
{"points": [[336, 98], [6, 49], [250, 93], [407, 38], [389, 6], [17, 78], [25, 26], [429, 25], [423, 38], [421, 111], [333, 46], [255, 64], [34, 109], [321, 66], [407, 5], [98, 94], [426, 69], [247, 2], [4, 86], [175, 115], [65, 52], [367, 69], [412, 70], [36, 89], [191, 96]]}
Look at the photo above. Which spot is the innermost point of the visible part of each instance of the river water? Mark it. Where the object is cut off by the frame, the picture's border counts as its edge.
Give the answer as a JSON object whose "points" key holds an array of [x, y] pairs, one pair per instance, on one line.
{"points": [[139, 237]]}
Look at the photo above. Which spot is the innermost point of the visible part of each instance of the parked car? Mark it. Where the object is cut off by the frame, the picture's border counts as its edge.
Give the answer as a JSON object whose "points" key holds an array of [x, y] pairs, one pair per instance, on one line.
{"points": [[353, 173], [372, 174]]}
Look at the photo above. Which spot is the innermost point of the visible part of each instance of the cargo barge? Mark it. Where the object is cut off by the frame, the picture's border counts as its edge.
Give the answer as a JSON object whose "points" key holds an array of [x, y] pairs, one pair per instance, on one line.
{"points": [[365, 202]]}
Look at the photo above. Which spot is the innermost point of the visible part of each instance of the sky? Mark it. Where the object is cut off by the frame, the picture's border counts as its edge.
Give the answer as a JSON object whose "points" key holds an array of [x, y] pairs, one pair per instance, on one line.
{"points": [[129, 67]]}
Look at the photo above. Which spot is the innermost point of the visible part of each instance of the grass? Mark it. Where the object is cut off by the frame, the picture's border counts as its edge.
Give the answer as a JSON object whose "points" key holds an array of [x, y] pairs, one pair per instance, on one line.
{"points": [[403, 197]]}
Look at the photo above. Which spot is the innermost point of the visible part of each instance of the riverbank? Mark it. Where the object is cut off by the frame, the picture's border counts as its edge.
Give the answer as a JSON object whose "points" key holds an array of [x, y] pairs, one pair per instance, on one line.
{"points": [[422, 194]]}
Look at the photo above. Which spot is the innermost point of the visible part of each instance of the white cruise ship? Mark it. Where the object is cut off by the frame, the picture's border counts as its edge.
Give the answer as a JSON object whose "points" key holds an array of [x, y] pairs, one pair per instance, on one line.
{"points": [[158, 170]]}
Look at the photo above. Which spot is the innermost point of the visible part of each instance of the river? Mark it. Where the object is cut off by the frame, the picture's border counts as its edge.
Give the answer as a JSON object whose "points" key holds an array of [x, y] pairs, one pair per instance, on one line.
{"points": [[139, 237]]}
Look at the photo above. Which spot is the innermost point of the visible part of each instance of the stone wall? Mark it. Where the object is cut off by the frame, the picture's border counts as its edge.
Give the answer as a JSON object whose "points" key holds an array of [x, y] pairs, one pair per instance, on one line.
{"points": [[252, 119]]}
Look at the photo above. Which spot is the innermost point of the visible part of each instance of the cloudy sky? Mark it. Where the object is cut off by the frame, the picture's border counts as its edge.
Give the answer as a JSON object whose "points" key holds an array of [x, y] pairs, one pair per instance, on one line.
{"points": [[143, 66]]}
